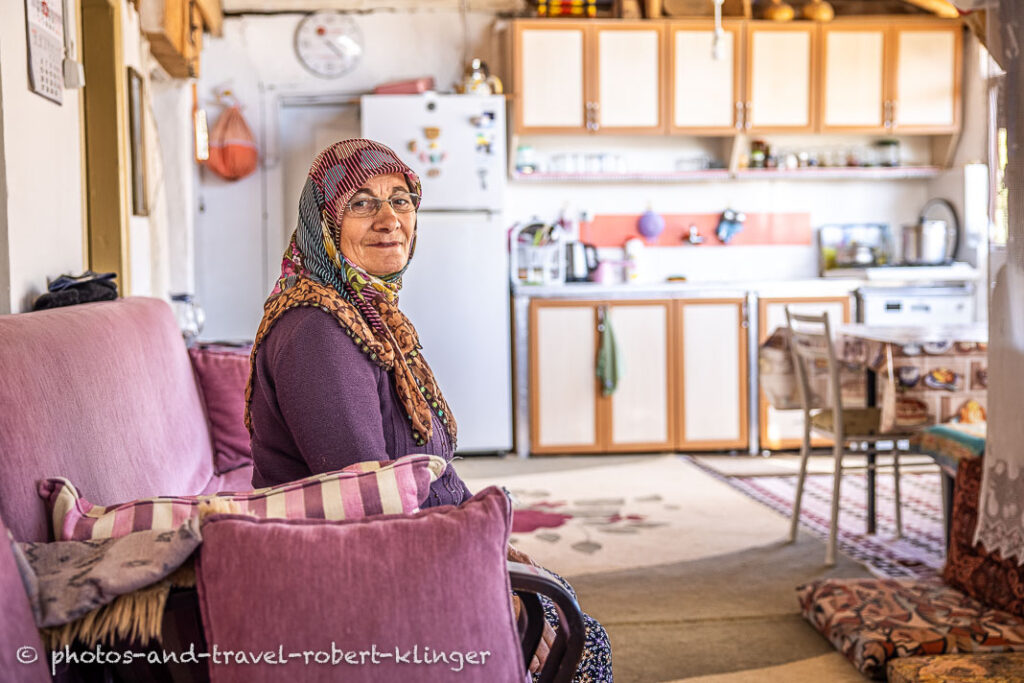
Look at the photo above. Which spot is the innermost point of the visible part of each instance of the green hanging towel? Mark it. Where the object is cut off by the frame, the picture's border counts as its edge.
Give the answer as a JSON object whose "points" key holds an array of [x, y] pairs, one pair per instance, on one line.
{"points": [[609, 364]]}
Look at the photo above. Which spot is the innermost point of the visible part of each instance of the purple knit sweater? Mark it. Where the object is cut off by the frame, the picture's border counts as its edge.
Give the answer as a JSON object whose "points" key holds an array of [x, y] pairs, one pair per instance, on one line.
{"points": [[319, 404]]}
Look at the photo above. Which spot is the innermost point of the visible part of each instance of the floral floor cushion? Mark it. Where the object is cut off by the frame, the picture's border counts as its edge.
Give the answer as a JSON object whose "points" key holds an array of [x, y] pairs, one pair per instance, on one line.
{"points": [[991, 668], [872, 621]]}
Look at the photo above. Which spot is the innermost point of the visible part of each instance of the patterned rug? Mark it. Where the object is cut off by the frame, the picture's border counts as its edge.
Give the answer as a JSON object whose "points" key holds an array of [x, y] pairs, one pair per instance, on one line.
{"points": [[920, 553], [648, 511]]}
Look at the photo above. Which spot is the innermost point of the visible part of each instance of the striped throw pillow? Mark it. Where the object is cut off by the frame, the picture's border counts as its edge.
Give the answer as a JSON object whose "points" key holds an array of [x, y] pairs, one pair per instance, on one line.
{"points": [[360, 490]]}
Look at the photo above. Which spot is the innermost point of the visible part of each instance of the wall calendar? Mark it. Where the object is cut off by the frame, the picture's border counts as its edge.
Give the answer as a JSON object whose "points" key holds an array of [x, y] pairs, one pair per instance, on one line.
{"points": [[45, 28]]}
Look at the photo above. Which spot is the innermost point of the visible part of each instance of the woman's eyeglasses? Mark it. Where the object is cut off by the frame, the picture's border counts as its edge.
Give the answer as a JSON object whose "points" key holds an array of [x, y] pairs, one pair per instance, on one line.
{"points": [[365, 206]]}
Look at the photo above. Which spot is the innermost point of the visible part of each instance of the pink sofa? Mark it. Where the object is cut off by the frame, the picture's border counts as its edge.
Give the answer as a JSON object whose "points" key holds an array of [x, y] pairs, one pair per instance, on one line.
{"points": [[104, 394]]}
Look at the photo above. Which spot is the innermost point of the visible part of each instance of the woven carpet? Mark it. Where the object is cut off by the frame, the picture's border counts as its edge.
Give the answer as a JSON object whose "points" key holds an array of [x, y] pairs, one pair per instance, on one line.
{"points": [[919, 553]]}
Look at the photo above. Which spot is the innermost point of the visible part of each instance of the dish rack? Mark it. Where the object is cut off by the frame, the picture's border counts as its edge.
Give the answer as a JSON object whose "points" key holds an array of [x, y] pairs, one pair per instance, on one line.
{"points": [[537, 254]]}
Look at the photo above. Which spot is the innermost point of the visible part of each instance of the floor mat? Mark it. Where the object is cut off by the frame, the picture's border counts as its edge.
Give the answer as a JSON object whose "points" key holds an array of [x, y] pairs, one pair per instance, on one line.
{"points": [[920, 553]]}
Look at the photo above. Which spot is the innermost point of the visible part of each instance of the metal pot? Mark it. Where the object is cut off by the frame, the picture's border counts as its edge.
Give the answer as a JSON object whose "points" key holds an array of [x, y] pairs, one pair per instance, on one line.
{"points": [[930, 241]]}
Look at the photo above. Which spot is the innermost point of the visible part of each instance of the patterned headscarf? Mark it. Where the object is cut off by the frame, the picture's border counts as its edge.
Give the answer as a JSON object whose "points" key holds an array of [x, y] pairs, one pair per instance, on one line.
{"points": [[314, 272]]}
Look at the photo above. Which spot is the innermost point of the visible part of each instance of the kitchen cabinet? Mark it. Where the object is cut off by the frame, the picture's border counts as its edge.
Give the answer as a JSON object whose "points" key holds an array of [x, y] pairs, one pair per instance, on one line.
{"points": [[550, 70], [639, 413], [893, 77], [711, 374], [603, 77], [568, 412], [783, 429], [563, 387], [705, 93], [854, 83], [926, 77], [174, 29], [781, 77]]}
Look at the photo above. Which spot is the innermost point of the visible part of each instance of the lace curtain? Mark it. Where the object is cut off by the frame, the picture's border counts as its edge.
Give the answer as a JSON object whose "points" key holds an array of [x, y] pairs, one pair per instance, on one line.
{"points": [[1001, 509]]}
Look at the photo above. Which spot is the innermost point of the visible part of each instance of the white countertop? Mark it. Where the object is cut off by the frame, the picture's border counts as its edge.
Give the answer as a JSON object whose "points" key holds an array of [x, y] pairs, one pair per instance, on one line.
{"points": [[770, 288]]}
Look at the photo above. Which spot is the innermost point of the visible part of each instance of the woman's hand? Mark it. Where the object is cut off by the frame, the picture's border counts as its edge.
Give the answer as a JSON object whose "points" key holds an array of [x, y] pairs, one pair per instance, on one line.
{"points": [[517, 555]]}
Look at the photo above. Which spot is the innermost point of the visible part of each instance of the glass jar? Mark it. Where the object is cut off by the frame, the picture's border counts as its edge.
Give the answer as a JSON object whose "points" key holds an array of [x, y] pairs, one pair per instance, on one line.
{"points": [[888, 152]]}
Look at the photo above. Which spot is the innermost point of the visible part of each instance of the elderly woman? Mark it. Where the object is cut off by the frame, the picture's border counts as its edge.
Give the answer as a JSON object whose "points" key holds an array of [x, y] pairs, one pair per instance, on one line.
{"points": [[337, 373]]}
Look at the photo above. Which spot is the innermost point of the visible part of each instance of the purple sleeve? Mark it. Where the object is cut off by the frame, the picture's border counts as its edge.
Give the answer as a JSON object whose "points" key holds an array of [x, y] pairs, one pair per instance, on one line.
{"points": [[328, 392]]}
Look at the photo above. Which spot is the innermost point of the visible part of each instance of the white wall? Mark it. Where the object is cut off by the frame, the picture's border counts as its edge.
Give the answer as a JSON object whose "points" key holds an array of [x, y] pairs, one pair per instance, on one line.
{"points": [[240, 226], [41, 213]]}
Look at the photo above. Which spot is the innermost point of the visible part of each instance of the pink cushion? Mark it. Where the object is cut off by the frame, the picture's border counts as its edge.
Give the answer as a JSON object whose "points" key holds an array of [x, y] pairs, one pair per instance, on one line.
{"points": [[104, 395], [19, 638], [435, 581], [223, 374], [366, 488]]}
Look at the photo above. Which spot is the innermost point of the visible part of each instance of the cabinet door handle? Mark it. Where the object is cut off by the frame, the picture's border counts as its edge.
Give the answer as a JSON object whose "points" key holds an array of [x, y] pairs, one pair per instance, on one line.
{"points": [[892, 113], [887, 117], [747, 114], [597, 123], [739, 116]]}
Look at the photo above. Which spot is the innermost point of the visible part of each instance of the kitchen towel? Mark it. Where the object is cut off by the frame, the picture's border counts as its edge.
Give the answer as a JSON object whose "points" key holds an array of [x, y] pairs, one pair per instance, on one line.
{"points": [[609, 363]]}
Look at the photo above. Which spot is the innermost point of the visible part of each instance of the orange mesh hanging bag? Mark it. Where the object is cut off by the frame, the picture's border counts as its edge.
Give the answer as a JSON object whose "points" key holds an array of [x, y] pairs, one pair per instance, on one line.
{"points": [[233, 153]]}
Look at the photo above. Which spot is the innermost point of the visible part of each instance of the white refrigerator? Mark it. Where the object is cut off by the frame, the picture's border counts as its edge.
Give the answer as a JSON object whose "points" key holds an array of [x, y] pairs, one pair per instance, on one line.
{"points": [[456, 289]]}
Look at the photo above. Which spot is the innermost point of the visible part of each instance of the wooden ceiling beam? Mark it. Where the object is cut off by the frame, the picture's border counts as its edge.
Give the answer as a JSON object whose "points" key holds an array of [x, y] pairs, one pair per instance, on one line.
{"points": [[940, 8]]}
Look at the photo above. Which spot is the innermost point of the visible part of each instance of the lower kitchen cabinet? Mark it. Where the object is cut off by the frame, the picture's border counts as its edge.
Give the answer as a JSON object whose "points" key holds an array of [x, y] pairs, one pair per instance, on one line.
{"points": [[639, 413], [712, 378], [783, 429], [568, 412], [563, 386]]}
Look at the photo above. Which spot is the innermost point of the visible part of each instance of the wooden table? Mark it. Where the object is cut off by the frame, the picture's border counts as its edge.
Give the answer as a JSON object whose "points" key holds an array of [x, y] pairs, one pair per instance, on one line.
{"points": [[919, 375]]}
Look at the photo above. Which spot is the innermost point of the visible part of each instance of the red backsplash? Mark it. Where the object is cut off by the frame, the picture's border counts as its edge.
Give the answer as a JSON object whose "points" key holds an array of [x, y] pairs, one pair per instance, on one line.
{"points": [[758, 229]]}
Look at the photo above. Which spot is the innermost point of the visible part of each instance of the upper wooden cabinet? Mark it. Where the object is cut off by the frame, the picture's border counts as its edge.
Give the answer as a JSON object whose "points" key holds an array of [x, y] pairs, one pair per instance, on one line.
{"points": [[926, 69], [854, 82], [875, 76], [589, 76], [705, 95], [901, 77], [781, 68]]}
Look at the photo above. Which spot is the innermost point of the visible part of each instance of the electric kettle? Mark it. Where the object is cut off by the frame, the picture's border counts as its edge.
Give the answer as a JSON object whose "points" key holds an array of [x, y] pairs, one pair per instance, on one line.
{"points": [[580, 261], [930, 241]]}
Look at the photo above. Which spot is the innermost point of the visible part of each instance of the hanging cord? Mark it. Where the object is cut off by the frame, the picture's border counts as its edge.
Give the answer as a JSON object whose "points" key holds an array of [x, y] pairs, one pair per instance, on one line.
{"points": [[463, 12]]}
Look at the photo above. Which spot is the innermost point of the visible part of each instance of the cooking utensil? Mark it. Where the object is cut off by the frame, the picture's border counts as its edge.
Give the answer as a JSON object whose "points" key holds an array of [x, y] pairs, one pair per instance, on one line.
{"points": [[930, 241], [729, 225]]}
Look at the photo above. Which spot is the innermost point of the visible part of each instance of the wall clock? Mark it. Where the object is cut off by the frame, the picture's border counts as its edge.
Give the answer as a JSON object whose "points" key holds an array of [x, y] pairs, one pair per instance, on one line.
{"points": [[328, 44]]}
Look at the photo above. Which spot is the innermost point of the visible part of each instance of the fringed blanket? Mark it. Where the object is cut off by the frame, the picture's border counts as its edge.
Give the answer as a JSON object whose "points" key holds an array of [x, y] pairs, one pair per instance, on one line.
{"points": [[106, 590]]}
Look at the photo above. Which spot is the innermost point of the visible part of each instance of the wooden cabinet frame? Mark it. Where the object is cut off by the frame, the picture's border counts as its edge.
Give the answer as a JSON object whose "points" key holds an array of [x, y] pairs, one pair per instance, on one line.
{"points": [[742, 73], [891, 27], [517, 71], [942, 25], [866, 26], [534, 381], [590, 29], [738, 92], [603, 405], [814, 74], [678, 335]]}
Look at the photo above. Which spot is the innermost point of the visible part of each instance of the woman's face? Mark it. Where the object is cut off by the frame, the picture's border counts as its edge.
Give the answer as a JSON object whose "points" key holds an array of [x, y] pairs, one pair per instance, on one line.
{"points": [[378, 244]]}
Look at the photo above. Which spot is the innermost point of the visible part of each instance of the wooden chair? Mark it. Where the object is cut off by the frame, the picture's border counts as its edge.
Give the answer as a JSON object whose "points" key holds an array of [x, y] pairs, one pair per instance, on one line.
{"points": [[811, 346]]}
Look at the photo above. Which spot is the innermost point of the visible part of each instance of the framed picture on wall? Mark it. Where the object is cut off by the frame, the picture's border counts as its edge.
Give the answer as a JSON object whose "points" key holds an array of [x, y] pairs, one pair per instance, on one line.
{"points": [[140, 205]]}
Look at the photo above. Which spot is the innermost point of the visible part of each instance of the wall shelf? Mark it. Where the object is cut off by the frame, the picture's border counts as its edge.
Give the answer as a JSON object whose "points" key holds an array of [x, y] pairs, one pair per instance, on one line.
{"points": [[870, 173]]}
